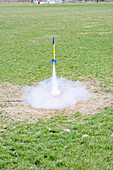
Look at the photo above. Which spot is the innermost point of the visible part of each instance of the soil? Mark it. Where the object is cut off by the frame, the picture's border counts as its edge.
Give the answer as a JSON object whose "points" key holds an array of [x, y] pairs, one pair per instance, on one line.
{"points": [[11, 103]]}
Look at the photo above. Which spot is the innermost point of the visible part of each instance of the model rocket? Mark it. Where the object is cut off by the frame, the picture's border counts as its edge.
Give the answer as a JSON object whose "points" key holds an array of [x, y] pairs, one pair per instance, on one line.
{"points": [[53, 60], [55, 90]]}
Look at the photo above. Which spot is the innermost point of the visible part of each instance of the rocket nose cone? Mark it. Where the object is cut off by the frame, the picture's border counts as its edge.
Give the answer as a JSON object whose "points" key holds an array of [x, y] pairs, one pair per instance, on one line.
{"points": [[53, 40]]}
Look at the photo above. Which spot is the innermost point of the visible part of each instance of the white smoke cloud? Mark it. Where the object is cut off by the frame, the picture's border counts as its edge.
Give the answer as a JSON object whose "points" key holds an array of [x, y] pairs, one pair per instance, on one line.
{"points": [[68, 93]]}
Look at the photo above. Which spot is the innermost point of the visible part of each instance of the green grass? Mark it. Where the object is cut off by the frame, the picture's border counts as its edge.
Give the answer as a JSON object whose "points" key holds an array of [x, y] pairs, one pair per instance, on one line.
{"points": [[83, 35], [84, 39], [46, 144]]}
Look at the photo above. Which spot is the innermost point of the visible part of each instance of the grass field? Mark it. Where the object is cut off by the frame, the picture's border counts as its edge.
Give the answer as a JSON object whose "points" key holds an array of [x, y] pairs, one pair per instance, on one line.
{"points": [[84, 49], [83, 35], [57, 143]]}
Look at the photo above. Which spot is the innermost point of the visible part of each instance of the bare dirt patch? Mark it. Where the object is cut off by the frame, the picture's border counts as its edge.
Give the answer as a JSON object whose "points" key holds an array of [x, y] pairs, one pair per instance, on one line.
{"points": [[11, 103]]}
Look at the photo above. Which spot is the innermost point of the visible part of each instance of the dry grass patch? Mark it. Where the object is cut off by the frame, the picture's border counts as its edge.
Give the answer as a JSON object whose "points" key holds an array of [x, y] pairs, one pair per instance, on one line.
{"points": [[12, 104]]}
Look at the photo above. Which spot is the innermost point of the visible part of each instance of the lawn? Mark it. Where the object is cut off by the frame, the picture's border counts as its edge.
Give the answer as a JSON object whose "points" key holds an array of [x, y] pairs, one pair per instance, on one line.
{"points": [[83, 35], [84, 50], [59, 143]]}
